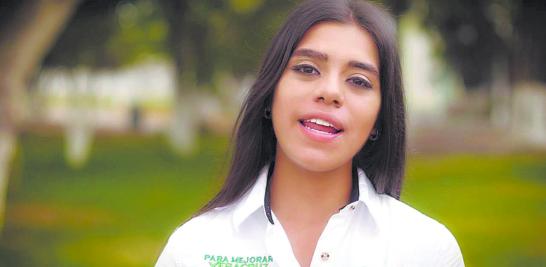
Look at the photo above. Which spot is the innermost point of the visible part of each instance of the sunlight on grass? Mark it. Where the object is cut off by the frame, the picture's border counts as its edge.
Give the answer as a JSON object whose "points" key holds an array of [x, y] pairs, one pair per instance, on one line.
{"points": [[494, 204]]}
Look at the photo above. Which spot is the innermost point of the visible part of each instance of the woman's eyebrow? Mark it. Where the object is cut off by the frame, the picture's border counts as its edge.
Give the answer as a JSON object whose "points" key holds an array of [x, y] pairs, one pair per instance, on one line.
{"points": [[364, 66], [305, 52]]}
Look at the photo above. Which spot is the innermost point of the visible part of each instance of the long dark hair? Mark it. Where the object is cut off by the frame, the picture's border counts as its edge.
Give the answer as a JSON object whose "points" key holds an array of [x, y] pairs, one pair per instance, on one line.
{"points": [[383, 160]]}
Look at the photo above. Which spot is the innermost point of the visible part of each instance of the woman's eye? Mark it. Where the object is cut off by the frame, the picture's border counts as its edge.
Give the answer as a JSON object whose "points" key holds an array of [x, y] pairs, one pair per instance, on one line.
{"points": [[360, 82], [306, 69]]}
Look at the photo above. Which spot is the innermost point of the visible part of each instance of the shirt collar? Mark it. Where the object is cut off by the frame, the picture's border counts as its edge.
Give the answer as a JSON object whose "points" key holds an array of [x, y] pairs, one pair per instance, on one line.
{"points": [[252, 200], [368, 195], [258, 196]]}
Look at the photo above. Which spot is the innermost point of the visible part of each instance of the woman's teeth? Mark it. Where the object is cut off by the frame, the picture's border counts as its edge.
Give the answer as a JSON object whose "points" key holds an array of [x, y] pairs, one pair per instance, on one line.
{"points": [[321, 122], [320, 125]]}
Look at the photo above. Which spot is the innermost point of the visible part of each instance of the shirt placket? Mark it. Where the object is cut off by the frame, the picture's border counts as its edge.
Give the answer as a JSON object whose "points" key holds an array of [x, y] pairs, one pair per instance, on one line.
{"points": [[328, 251], [278, 245]]}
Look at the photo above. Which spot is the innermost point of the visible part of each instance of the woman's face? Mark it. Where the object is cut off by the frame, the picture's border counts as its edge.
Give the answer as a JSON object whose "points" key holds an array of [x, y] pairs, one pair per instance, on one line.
{"points": [[328, 97]]}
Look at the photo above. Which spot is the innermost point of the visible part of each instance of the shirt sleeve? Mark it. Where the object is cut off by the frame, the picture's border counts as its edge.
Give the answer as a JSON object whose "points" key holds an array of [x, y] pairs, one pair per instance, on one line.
{"points": [[168, 257], [450, 254]]}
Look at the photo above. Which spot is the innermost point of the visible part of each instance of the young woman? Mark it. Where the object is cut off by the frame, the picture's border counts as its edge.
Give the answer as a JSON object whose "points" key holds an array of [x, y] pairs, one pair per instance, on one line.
{"points": [[319, 157]]}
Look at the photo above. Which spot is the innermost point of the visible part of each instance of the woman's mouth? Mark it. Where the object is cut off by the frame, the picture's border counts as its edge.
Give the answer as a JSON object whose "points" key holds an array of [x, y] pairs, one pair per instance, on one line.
{"points": [[320, 129], [320, 125]]}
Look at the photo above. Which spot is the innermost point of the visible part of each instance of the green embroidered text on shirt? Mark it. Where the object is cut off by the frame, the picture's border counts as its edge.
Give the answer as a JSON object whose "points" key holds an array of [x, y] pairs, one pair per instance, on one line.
{"points": [[238, 261]]}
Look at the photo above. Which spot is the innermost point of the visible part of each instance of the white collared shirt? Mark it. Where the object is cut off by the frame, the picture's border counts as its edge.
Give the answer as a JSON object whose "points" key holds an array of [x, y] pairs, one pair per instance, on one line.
{"points": [[375, 230]]}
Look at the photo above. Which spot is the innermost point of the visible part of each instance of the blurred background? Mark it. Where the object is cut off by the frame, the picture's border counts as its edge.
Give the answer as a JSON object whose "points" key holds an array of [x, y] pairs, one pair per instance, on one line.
{"points": [[116, 115]]}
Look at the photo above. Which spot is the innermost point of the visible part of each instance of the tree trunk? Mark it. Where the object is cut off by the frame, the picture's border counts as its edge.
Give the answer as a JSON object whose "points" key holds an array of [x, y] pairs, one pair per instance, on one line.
{"points": [[80, 123], [24, 41], [500, 94], [183, 129]]}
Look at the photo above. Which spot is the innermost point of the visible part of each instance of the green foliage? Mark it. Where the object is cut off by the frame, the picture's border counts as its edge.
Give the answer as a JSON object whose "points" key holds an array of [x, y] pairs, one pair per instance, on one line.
{"points": [[479, 35], [84, 39], [245, 6], [211, 37], [242, 39], [141, 32], [202, 38], [120, 208], [111, 34]]}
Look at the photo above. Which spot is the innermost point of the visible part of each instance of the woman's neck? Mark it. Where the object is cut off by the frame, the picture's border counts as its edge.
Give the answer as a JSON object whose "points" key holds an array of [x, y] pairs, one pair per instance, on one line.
{"points": [[304, 200], [305, 196]]}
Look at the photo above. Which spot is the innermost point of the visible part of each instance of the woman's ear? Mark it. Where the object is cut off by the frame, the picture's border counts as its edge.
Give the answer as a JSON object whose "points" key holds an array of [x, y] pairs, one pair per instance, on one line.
{"points": [[374, 135], [267, 112]]}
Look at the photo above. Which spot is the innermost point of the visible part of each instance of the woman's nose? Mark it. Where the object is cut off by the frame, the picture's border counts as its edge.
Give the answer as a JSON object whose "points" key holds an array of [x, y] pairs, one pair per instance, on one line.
{"points": [[330, 92]]}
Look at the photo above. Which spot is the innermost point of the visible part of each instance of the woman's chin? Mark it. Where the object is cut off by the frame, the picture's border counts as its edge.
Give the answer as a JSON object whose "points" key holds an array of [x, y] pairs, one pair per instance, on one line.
{"points": [[313, 159], [316, 163]]}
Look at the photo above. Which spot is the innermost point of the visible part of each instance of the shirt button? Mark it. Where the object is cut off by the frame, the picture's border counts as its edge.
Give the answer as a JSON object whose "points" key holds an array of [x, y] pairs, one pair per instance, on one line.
{"points": [[352, 207], [324, 256]]}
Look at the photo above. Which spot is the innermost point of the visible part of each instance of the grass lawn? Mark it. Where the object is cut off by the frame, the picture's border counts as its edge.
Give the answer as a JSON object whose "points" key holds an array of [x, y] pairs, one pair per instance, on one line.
{"points": [[119, 209]]}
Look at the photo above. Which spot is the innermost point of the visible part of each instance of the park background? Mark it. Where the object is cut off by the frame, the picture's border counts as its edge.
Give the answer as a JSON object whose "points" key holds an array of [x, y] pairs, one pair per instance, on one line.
{"points": [[116, 115]]}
